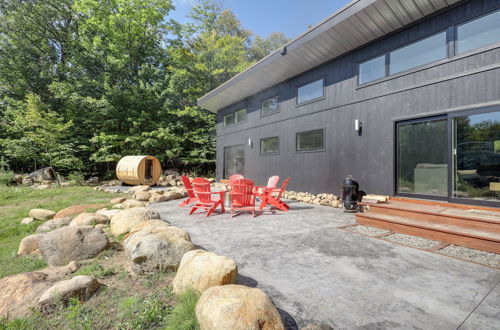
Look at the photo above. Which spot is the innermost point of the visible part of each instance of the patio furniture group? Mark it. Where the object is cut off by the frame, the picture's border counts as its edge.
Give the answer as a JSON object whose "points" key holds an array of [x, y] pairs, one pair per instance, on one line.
{"points": [[242, 191]]}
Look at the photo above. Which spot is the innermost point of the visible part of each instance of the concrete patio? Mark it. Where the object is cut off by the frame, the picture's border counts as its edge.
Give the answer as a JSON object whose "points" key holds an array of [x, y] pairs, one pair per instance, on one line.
{"points": [[317, 273]]}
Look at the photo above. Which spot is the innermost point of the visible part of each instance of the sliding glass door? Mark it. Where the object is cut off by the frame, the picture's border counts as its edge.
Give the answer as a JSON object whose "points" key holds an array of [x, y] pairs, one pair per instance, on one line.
{"points": [[422, 157], [234, 160], [476, 156], [453, 157]]}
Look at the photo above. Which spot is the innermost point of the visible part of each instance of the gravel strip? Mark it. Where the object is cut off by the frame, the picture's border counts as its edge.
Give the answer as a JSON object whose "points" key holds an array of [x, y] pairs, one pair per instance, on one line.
{"points": [[368, 231], [481, 257], [413, 241]]}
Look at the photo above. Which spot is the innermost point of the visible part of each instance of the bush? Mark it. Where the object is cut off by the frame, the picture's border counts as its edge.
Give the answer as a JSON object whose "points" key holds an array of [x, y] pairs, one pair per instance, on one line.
{"points": [[6, 177], [76, 177]]}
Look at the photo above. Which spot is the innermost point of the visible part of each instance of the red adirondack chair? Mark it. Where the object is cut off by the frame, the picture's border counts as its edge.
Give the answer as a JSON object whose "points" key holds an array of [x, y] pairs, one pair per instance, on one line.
{"points": [[273, 197], [271, 184], [189, 188], [242, 196], [201, 189]]}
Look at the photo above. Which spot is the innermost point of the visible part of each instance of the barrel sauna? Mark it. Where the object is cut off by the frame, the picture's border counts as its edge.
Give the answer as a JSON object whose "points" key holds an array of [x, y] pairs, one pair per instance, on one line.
{"points": [[138, 170]]}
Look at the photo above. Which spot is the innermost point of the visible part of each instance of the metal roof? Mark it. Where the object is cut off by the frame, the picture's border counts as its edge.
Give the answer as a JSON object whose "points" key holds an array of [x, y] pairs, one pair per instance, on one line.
{"points": [[356, 24]]}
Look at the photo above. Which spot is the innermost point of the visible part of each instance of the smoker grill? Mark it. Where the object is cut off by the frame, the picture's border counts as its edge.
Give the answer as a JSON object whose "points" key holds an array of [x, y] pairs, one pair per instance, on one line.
{"points": [[350, 194]]}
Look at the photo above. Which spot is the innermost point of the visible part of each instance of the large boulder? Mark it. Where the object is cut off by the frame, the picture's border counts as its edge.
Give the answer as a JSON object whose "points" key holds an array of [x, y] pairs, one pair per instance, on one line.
{"points": [[117, 200], [155, 248], [173, 195], [41, 214], [89, 219], [131, 203], [65, 244], [29, 244], [155, 223], [156, 198], [237, 307], [123, 221], [201, 270], [53, 224], [20, 292], [142, 196], [108, 213], [43, 174], [73, 211], [81, 287], [135, 189]]}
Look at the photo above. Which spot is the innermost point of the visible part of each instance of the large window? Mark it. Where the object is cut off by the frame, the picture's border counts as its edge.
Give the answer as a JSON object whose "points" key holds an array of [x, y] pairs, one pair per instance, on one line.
{"points": [[418, 53], [270, 145], [312, 140], [422, 161], [234, 160], [235, 117], [270, 106], [478, 33], [372, 69], [311, 91], [476, 144]]}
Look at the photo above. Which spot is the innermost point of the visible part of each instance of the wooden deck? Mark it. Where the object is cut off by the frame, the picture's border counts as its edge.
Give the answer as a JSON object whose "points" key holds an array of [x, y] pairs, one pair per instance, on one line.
{"points": [[470, 226]]}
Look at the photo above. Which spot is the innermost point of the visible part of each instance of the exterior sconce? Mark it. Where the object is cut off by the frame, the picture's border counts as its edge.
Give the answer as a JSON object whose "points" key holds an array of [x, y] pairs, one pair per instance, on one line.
{"points": [[250, 143], [358, 127]]}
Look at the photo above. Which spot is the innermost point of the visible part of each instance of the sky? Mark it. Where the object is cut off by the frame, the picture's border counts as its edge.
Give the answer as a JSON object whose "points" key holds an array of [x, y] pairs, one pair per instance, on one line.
{"points": [[263, 17]]}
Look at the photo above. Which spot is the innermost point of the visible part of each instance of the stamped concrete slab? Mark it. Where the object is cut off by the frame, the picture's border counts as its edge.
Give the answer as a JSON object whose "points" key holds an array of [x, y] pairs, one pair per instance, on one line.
{"points": [[317, 273]]}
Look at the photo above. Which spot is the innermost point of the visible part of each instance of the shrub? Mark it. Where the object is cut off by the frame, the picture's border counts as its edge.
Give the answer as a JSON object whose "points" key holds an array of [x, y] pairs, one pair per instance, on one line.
{"points": [[6, 177], [76, 177]]}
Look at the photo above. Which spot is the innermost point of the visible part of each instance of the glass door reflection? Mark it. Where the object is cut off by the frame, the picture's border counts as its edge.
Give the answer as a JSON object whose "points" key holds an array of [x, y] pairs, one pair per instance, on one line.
{"points": [[476, 156]]}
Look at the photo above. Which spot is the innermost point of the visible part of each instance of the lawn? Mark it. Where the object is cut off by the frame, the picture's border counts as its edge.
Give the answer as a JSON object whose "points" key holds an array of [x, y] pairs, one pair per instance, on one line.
{"points": [[15, 203], [126, 301]]}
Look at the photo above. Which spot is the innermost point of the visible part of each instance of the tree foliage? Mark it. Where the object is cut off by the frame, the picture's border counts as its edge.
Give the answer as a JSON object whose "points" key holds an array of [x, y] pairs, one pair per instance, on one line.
{"points": [[86, 82]]}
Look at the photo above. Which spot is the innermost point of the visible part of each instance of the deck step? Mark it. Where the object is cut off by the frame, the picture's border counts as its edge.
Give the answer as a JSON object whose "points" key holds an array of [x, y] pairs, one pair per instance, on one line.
{"points": [[470, 237], [470, 218]]}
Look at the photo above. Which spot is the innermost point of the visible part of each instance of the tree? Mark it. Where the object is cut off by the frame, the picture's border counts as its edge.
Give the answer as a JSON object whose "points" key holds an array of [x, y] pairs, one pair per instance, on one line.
{"points": [[39, 135], [262, 47]]}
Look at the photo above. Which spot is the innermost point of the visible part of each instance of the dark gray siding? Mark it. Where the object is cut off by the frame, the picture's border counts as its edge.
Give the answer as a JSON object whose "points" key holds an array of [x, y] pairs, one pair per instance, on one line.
{"points": [[467, 81]]}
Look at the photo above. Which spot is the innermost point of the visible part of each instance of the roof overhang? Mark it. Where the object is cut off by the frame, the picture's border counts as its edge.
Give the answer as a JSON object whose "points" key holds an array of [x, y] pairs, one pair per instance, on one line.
{"points": [[356, 24]]}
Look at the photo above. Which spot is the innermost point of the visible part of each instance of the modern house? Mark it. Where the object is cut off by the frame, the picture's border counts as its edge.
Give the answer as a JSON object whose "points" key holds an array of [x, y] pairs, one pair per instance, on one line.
{"points": [[402, 94]]}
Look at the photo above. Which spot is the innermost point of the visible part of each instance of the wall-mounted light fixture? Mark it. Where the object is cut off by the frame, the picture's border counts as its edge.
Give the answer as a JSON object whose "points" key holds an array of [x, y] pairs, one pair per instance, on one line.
{"points": [[358, 127], [250, 143]]}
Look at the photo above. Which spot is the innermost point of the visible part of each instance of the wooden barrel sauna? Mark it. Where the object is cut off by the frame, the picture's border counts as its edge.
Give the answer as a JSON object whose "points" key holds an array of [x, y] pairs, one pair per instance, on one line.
{"points": [[138, 170]]}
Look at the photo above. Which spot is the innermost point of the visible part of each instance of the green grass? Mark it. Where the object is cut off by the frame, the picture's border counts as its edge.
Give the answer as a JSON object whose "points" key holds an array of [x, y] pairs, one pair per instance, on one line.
{"points": [[114, 309], [183, 315], [96, 270], [15, 203], [126, 302]]}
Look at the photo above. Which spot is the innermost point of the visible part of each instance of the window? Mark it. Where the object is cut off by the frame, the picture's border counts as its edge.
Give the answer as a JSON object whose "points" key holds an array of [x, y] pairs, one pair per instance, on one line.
{"points": [[235, 117], [270, 106], [312, 140], [372, 69], [311, 91], [425, 51], [478, 33], [270, 145]]}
